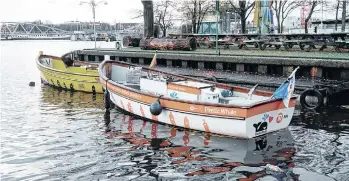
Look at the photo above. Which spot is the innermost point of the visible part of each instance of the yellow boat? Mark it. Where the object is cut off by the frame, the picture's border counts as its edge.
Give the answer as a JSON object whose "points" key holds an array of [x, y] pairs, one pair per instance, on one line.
{"points": [[64, 73]]}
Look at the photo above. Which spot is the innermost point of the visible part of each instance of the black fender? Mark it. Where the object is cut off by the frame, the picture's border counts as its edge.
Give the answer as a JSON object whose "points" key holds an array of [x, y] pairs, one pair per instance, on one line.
{"points": [[314, 92], [106, 99]]}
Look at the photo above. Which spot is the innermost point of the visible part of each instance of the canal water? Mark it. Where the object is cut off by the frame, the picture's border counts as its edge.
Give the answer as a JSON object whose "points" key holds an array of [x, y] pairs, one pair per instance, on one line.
{"points": [[51, 135]]}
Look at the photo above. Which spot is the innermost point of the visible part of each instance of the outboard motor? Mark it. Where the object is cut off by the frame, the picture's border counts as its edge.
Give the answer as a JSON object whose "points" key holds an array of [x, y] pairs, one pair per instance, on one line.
{"points": [[226, 93], [67, 61]]}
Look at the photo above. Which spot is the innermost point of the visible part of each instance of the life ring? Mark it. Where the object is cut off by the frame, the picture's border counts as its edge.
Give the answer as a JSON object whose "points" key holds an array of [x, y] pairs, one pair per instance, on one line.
{"points": [[314, 92]]}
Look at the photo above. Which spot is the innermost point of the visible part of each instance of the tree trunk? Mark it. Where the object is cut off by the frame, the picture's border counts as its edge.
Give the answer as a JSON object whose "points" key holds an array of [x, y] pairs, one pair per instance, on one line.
{"points": [[336, 22], [156, 31], [224, 21], [148, 16], [164, 32], [282, 26], [306, 26], [314, 4], [243, 21], [279, 24], [194, 26], [344, 15]]}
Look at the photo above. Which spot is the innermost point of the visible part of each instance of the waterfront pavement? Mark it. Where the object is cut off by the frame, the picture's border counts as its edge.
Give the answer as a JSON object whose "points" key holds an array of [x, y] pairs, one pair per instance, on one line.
{"points": [[234, 51]]}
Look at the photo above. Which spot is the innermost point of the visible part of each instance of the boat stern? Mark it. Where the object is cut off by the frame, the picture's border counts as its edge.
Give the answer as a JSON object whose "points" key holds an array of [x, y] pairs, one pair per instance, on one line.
{"points": [[270, 120]]}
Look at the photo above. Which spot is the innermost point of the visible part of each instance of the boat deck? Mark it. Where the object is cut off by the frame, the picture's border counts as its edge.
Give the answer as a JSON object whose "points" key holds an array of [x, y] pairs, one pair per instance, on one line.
{"points": [[237, 99]]}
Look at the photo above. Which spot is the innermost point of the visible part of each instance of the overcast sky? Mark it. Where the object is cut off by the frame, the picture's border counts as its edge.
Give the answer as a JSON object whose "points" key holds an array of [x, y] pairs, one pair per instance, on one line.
{"points": [[59, 11]]}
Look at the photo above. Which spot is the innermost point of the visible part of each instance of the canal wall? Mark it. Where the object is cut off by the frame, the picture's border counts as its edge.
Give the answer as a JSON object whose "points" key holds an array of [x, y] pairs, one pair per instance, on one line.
{"points": [[327, 68]]}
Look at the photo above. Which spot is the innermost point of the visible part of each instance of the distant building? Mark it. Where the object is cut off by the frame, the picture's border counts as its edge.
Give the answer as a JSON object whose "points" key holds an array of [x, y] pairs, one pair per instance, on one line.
{"points": [[329, 25], [229, 22]]}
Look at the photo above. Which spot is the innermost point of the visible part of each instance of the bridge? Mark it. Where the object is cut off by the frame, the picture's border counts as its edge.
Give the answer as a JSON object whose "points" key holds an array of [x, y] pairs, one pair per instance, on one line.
{"points": [[26, 30]]}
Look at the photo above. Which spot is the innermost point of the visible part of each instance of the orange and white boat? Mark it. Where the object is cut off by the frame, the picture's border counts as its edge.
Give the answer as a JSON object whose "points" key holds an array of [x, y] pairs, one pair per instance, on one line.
{"points": [[196, 104]]}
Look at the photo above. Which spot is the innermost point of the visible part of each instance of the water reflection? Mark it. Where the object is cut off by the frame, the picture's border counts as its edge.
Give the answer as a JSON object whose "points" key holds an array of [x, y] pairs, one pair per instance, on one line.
{"points": [[164, 152], [332, 120], [82, 141]]}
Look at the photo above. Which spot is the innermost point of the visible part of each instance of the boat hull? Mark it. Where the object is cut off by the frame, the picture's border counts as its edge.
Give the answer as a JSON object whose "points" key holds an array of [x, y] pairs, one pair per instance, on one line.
{"points": [[68, 80], [235, 119], [254, 126]]}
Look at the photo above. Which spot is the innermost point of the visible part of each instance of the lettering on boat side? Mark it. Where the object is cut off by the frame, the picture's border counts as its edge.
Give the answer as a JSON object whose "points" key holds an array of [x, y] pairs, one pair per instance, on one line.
{"points": [[222, 111], [192, 108]]}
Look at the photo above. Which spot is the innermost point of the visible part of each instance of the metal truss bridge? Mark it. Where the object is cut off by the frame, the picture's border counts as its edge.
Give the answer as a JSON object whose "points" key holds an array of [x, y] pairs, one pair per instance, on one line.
{"points": [[15, 29]]}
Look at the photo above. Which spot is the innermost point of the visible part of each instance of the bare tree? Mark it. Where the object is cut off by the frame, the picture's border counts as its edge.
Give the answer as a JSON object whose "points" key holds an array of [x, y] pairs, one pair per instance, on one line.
{"points": [[282, 9], [195, 11], [244, 9], [314, 4], [163, 14], [148, 15], [344, 11], [336, 22]]}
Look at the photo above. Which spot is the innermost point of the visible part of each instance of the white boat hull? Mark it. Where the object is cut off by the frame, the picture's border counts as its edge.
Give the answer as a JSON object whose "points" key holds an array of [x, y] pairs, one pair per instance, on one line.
{"points": [[238, 127]]}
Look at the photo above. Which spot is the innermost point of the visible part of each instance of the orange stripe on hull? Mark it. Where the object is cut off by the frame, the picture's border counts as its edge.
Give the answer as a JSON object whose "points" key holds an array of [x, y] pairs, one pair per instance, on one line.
{"points": [[183, 88], [129, 106], [207, 129], [172, 120], [186, 123], [142, 112], [122, 105]]}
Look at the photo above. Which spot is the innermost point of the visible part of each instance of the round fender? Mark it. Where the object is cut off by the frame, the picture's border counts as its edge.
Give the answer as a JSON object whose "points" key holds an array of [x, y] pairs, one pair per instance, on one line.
{"points": [[314, 92], [155, 108]]}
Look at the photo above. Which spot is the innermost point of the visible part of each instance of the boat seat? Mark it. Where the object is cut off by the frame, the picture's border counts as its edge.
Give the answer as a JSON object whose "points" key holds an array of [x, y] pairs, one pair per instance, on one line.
{"points": [[235, 100]]}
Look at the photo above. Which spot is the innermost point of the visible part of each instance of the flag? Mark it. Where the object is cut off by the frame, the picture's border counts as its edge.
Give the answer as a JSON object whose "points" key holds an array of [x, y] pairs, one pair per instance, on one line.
{"points": [[250, 93], [256, 13], [285, 91], [153, 62]]}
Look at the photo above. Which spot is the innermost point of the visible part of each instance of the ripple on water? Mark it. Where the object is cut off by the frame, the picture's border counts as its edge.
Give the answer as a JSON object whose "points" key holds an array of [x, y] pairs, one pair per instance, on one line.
{"points": [[55, 135]]}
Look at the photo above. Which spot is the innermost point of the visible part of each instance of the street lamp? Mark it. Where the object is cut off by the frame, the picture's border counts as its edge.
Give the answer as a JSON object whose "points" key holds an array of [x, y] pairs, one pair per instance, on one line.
{"points": [[217, 20], [93, 5]]}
